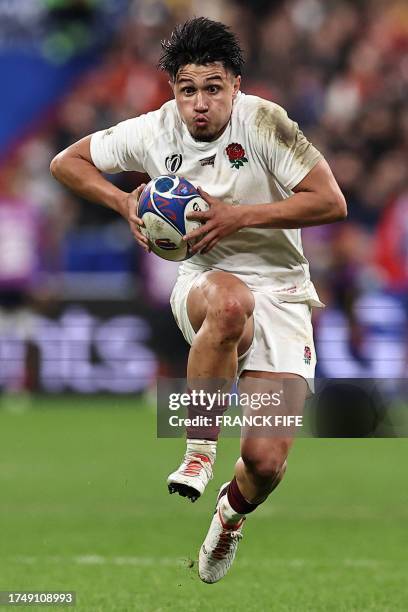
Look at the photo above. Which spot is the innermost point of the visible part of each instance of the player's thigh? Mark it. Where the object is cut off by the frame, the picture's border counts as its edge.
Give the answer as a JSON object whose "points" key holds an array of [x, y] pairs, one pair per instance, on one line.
{"points": [[214, 289], [279, 396]]}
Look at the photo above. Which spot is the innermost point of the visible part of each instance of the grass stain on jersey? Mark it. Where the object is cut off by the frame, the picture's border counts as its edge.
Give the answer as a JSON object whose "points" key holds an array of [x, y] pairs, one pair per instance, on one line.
{"points": [[273, 120]]}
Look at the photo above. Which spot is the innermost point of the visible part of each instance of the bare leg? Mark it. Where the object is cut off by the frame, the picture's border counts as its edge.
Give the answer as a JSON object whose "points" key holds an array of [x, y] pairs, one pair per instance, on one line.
{"points": [[262, 464], [257, 472], [220, 309]]}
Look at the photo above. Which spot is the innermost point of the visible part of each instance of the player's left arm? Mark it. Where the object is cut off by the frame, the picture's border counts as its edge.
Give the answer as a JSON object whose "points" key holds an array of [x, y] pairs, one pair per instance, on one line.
{"points": [[316, 200]]}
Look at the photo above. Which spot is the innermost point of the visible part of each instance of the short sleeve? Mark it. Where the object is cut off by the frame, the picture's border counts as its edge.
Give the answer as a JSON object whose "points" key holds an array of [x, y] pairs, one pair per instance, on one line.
{"points": [[289, 155], [121, 147]]}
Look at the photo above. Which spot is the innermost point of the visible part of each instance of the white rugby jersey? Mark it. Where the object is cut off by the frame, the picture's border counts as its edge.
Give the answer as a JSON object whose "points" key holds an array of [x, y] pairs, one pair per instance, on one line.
{"points": [[259, 158]]}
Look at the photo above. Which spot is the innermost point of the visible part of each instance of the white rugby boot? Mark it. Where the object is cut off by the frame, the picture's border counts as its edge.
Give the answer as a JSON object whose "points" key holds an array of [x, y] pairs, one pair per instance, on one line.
{"points": [[195, 471], [220, 545]]}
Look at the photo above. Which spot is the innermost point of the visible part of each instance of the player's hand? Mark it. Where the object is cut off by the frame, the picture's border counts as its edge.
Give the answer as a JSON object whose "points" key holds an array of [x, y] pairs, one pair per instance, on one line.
{"points": [[219, 221], [135, 222]]}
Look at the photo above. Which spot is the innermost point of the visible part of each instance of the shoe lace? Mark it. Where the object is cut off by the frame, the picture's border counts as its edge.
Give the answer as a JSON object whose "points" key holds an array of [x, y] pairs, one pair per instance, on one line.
{"points": [[227, 541], [195, 463]]}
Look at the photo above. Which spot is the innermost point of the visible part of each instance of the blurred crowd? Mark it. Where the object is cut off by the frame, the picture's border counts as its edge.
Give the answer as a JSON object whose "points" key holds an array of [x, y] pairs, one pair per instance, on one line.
{"points": [[339, 67]]}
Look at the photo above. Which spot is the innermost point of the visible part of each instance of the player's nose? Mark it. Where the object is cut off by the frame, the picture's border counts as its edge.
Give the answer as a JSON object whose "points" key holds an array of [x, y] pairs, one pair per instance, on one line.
{"points": [[200, 103]]}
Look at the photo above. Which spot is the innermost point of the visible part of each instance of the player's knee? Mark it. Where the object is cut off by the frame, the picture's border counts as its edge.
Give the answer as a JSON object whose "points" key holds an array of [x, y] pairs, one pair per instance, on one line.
{"points": [[228, 315], [265, 466]]}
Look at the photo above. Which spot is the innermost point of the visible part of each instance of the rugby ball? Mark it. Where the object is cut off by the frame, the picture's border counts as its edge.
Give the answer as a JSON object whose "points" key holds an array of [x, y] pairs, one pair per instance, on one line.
{"points": [[163, 206]]}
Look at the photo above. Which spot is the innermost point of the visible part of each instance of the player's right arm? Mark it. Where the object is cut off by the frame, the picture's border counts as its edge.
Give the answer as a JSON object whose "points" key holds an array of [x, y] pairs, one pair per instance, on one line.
{"points": [[74, 168]]}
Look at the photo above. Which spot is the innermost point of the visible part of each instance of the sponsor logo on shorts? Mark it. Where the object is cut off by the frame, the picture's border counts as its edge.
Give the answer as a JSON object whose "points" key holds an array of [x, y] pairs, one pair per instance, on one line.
{"points": [[307, 355]]}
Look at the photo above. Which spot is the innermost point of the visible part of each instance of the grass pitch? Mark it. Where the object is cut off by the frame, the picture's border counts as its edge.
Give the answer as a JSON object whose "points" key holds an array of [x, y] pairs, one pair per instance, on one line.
{"points": [[84, 507]]}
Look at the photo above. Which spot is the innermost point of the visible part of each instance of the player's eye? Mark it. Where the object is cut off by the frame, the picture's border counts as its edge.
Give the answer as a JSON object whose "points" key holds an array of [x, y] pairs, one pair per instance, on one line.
{"points": [[188, 91], [213, 89]]}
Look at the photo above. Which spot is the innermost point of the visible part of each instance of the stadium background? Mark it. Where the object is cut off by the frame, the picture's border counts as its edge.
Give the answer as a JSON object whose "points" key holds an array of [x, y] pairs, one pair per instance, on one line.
{"points": [[85, 327]]}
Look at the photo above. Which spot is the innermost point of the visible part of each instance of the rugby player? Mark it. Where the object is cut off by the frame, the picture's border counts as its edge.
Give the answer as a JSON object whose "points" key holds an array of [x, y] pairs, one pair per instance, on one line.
{"points": [[244, 300]]}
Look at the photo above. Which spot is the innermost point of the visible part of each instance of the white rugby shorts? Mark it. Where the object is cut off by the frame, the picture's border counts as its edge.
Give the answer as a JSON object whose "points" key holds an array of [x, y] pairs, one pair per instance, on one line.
{"points": [[283, 333]]}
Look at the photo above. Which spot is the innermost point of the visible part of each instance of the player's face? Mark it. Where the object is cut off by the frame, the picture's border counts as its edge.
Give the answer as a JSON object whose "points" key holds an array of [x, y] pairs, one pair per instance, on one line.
{"points": [[204, 97]]}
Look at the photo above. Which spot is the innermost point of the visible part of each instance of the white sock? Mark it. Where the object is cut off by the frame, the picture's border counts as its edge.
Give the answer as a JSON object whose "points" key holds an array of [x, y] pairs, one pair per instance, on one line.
{"points": [[204, 447], [229, 515]]}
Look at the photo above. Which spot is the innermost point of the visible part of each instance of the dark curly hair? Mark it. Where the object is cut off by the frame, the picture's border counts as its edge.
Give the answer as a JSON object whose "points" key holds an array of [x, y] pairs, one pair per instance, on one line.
{"points": [[201, 41]]}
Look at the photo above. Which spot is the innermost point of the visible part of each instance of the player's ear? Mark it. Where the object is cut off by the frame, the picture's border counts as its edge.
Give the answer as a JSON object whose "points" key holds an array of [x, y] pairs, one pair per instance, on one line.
{"points": [[172, 84], [236, 85]]}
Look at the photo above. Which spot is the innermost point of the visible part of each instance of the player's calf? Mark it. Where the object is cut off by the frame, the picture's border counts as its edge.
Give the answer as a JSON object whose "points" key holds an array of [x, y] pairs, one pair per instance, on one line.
{"points": [[261, 466]]}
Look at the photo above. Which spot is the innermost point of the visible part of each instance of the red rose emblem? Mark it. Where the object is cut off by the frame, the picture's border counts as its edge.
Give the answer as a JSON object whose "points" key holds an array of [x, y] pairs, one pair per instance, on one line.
{"points": [[235, 151], [307, 355], [236, 155]]}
